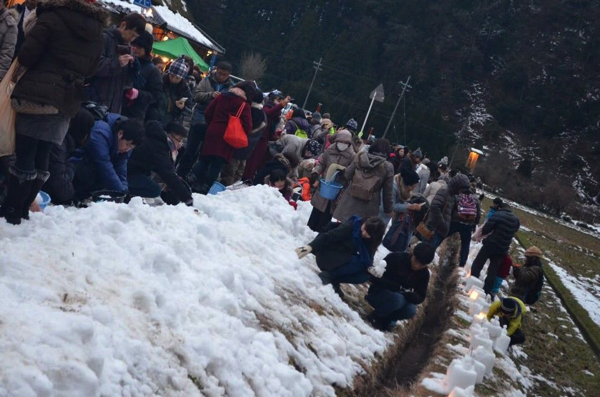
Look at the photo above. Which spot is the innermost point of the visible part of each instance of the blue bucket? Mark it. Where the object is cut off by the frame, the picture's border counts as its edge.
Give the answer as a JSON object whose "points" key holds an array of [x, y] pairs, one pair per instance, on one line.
{"points": [[330, 190], [45, 200], [216, 188]]}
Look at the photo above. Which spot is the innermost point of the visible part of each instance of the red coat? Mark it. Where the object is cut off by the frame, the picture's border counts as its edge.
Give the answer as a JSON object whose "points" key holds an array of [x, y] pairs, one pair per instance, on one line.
{"points": [[217, 117]]}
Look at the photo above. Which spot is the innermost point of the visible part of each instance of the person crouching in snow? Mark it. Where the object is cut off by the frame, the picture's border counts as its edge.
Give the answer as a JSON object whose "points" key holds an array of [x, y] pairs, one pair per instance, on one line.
{"points": [[510, 312], [401, 288], [346, 251], [279, 180]]}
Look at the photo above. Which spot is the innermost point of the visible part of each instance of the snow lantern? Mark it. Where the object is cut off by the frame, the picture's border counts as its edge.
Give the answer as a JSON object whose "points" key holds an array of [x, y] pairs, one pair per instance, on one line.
{"points": [[461, 373], [502, 342], [485, 355], [460, 392], [473, 281], [472, 159]]}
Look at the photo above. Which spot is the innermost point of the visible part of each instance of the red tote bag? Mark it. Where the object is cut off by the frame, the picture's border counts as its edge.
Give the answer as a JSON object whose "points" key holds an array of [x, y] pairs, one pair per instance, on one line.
{"points": [[234, 134]]}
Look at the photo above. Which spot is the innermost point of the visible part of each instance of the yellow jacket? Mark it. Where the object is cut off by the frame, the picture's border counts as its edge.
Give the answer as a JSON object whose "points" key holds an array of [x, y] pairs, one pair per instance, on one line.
{"points": [[514, 323]]}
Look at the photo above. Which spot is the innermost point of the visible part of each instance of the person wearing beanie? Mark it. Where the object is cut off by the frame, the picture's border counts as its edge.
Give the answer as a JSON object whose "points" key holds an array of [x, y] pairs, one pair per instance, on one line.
{"points": [[510, 312], [176, 93], [142, 100], [529, 278], [395, 295], [411, 159], [499, 230], [404, 184], [335, 159], [439, 218], [352, 126]]}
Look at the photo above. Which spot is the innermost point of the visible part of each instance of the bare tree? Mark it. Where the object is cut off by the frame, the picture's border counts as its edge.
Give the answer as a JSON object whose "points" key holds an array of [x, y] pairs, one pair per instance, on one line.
{"points": [[253, 66]]}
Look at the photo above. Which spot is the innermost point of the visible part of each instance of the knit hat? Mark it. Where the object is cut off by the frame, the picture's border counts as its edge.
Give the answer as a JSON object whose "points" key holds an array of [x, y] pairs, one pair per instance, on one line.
{"points": [[418, 153], [409, 176], [145, 41], [327, 123], [533, 251], [326, 115], [313, 147], [317, 117], [179, 68], [352, 125], [508, 306]]}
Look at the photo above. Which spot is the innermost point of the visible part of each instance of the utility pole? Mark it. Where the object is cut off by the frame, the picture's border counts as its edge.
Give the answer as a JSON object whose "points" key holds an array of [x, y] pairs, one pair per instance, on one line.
{"points": [[317, 69], [396, 107]]}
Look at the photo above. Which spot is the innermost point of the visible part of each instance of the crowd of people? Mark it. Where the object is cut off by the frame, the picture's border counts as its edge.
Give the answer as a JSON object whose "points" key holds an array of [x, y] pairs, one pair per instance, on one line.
{"points": [[97, 116]]}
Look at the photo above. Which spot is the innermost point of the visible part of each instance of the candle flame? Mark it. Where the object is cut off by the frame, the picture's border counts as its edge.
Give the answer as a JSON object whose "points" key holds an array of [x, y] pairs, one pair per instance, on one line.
{"points": [[474, 295]]}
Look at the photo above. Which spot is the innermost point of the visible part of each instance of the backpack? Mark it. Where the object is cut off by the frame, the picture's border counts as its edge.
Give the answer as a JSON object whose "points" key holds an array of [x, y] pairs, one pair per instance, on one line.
{"points": [[533, 294], [98, 111], [467, 208], [365, 183], [300, 133]]}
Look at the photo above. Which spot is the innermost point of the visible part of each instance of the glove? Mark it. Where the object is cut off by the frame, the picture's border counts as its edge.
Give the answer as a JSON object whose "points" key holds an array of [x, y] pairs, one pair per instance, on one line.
{"points": [[132, 94], [303, 251]]}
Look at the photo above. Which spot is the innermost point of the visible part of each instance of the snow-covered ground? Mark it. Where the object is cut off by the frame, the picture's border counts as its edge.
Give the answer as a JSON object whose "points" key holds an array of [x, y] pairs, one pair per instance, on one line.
{"points": [[133, 300]]}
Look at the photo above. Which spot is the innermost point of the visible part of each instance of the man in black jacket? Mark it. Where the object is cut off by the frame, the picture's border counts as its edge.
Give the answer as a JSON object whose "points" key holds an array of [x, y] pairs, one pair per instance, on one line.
{"points": [[401, 288], [500, 229], [157, 154]]}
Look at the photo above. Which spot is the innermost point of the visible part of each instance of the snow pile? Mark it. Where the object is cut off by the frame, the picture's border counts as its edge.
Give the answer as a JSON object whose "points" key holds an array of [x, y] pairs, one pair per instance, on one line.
{"points": [[138, 300], [180, 24]]}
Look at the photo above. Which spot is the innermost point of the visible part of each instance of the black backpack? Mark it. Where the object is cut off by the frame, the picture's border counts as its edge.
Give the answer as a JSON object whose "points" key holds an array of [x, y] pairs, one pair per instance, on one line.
{"points": [[533, 293], [97, 110]]}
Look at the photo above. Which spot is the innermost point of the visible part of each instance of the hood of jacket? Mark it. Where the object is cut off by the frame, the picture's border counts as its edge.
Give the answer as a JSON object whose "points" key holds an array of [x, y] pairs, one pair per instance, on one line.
{"points": [[460, 181], [369, 160], [11, 16], [70, 12], [302, 123]]}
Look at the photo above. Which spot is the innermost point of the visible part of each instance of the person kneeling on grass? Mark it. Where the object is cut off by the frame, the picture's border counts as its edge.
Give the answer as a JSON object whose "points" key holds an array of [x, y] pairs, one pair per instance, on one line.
{"points": [[346, 251], [401, 288], [510, 312]]}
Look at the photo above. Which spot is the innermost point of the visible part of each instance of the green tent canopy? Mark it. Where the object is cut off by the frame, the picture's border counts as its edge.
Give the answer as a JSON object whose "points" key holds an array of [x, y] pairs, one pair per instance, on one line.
{"points": [[176, 47]]}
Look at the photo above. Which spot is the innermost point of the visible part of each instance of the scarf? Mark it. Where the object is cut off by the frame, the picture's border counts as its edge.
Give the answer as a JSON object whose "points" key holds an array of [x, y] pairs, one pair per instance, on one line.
{"points": [[364, 253]]}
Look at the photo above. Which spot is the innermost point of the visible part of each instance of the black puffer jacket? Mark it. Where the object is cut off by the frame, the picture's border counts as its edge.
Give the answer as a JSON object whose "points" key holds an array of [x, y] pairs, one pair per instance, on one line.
{"points": [[334, 248], [154, 155], [502, 225], [442, 205], [62, 49]]}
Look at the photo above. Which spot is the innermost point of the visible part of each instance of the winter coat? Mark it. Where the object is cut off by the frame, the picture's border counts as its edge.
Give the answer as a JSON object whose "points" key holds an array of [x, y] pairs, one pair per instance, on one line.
{"points": [[433, 188], [110, 78], [423, 171], [399, 277], [457, 219], [384, 171], [406, 163], [514, 322], [319, 134], [102, 152], [206, 87], [148, 81], [217, 116], [297, 122], [278, 162], [62, 49], [154, 155], [440, 210], [172, 93], [18, 13], [526, 278], [259, 124], [8, 40], [333, 155], [400, 206], [502, 225], [335, 247], [293, 144], [60, 184]]}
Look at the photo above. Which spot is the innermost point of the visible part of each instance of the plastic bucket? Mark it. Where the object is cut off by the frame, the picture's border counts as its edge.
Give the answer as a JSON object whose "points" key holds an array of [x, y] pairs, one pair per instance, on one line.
{"points": [[108, 195], [216, 188], [330, 190], [45, 200]]}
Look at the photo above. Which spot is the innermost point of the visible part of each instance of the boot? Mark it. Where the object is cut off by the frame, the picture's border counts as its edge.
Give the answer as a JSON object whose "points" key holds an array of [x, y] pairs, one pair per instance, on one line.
{"points": [[19, 187], [36, 186]]}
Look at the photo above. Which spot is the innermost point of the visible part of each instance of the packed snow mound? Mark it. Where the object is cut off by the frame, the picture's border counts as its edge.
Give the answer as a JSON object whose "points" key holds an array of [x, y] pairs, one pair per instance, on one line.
{"points": [[133, 300]]}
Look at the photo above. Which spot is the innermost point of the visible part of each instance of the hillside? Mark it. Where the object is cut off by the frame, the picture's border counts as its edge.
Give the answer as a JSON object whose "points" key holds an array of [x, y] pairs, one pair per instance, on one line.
{"points": [[519, 79]]}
